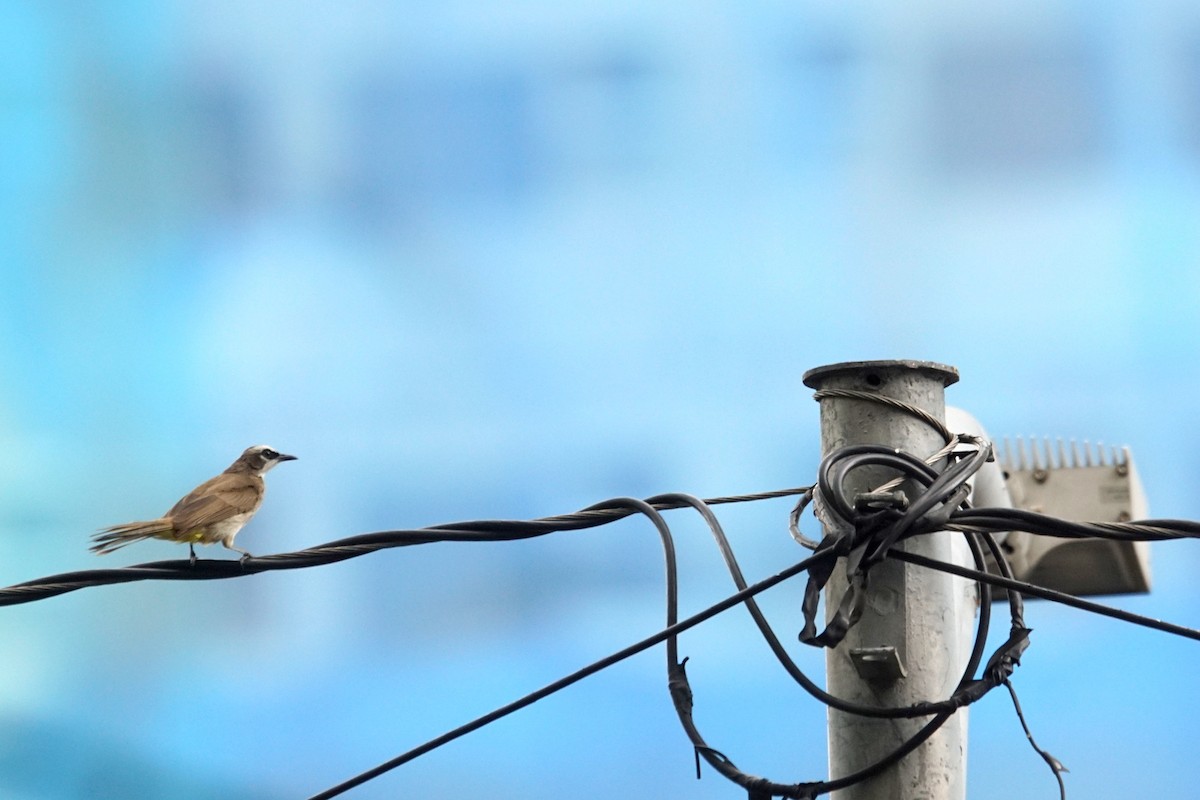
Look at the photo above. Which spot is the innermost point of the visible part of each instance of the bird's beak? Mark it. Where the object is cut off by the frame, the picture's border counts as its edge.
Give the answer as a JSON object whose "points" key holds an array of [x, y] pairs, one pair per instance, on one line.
{"points": [[285, 457]]}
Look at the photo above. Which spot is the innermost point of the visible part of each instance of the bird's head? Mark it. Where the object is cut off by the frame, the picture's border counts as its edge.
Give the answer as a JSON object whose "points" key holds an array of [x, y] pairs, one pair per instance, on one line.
{"points": [[259, 459]]}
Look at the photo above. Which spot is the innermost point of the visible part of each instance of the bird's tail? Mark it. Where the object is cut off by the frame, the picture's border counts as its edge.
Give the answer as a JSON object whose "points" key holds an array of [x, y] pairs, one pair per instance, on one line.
{"points": [[109, 539]]}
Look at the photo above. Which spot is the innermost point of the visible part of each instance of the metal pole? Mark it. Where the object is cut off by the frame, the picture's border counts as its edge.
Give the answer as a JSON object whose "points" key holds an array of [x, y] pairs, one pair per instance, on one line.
{"points": [[924, 615]]}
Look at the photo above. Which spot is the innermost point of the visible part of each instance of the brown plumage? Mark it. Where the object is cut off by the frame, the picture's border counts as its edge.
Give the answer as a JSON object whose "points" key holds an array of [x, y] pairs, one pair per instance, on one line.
{"points": [[212, 512]]}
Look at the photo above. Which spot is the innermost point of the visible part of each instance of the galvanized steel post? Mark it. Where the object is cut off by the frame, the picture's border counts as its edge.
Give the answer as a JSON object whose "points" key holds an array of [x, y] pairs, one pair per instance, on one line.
{"points": [[924, 615]]}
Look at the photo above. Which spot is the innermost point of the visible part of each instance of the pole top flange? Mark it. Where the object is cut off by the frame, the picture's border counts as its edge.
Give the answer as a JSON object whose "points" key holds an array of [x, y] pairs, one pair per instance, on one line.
{"points": [[816, 377]]}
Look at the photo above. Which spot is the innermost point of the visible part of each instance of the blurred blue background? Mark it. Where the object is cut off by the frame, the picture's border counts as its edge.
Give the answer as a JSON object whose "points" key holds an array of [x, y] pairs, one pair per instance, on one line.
{"points": [[476, 260]]}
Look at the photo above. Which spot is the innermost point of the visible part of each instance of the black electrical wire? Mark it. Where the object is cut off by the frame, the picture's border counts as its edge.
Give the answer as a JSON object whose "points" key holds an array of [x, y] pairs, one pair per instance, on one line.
{"points": [[339, 550], [947, 491], [680, 691], [682, 696], [632, 505], [867, 527], [663, 635], [1023, 587], [1055, 765]]}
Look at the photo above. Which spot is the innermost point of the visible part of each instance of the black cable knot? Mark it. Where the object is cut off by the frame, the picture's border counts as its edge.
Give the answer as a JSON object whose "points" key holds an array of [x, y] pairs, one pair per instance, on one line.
{"points": [[1008, 656], [679, 687]]}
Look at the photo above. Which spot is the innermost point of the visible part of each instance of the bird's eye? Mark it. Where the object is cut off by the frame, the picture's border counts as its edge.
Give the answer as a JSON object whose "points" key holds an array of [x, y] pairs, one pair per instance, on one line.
{"points": [[270, 454]]}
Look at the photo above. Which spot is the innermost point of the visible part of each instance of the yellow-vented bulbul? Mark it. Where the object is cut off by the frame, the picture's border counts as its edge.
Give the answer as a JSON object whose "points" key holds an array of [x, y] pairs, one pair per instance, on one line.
{"points": [[212, 512]]}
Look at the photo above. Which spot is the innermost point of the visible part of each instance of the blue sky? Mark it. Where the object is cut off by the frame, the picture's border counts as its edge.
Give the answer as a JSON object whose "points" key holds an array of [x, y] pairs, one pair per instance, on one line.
{"points": [[475, 263]]}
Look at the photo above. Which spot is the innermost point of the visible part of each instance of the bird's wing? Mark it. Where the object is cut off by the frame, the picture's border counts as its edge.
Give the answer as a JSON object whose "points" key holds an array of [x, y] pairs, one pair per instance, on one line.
{"points": [[217, 499]]}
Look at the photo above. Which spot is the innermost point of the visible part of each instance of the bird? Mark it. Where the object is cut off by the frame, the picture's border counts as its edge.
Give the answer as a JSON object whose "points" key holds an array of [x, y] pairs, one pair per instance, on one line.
{"points": [[212, 512]]}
